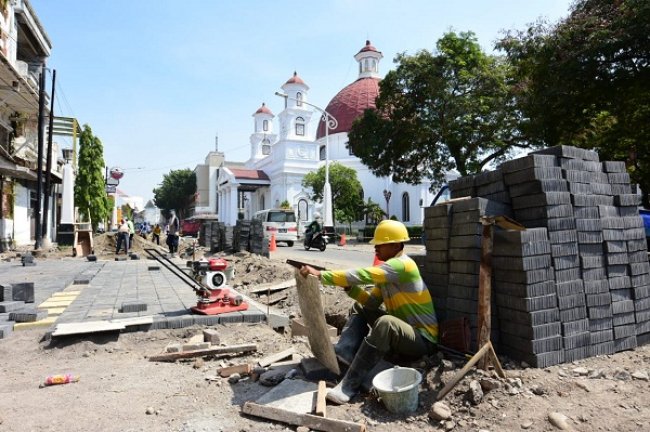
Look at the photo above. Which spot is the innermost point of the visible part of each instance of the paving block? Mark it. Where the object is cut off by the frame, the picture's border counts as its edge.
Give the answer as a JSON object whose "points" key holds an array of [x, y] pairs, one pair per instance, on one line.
{"points": [[465, 254], [570, 302], [622, 294], [91, 258], [642, 316], [617, 270], [614, 167], [599, 312], [173, 347], [526, 277], [196, 346], [23, 291], [566, 262], [545, 199], [538, 186], [592, 274], [616, 283], [211, 336], [522, 263], [6, 292], [621, 307], [570, 288], [586, 212], [532, 318], [28, 315], [566, 151], [45, 322], [133, 306], [625, 344], [604, 348], [576, 340], [520, 249], [573, 314], [590, 237], [565, 236], [81, 280], [600, 324], [468, 267], [601, 188], [592, 261], [601, 336], [537, 346], [564, 249], [536, 173], [637, 234], [529, 161], [638, 256], [120, 258], [467, 229], [6, 329], [602, 299], [643, 328], [523, 289], [641, 291], [11, 306], [580, 188]]}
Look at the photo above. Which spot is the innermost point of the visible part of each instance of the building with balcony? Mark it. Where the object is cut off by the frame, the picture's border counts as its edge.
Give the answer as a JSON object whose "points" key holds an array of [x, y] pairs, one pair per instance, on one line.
{"points": [[24, 50]]}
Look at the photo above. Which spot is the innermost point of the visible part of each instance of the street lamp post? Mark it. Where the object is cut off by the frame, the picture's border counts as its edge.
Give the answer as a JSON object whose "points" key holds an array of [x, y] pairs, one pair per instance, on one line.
{"points": [[330, 124], [387, 195]]}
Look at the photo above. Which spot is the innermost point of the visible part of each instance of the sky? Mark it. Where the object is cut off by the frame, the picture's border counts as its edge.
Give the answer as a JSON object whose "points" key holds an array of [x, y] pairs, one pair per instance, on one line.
{"points": [[159, 80]]}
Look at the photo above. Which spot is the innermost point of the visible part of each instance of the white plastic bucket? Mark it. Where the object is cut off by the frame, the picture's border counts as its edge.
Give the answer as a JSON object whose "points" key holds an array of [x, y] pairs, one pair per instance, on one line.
{"points": [[398, 389]]}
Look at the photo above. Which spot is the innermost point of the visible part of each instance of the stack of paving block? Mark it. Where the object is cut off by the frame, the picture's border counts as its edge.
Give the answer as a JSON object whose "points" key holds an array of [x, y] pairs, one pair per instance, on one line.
{"points": [[491, 185], [437, 226], [16, 306], [465, 258], [527, 302], [598, 256]]}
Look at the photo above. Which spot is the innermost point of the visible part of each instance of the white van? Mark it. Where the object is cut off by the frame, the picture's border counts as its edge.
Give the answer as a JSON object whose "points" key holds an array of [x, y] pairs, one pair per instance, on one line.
{"points": [[280, 222]]}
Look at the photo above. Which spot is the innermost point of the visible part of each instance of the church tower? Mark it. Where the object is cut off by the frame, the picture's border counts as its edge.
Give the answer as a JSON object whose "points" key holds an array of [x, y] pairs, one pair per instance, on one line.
{"points": [[262, 137], [294, 119], [368, 58]]}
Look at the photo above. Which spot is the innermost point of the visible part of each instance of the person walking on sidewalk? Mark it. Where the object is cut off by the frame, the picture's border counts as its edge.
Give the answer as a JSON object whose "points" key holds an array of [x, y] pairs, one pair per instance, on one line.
{"points": [[408, 325], [172, 235], [129, 222], [122, 237]]}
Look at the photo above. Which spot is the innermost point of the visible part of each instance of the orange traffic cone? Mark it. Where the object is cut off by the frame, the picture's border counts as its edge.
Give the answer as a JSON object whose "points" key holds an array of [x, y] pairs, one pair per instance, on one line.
{"points": [[342, 242], [377, 261], [272, 246]]}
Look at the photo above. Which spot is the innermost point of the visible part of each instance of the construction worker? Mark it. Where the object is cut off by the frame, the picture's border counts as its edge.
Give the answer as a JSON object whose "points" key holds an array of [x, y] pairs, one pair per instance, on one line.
{"points": [[408, 325], [129, 222], [122, 237]]}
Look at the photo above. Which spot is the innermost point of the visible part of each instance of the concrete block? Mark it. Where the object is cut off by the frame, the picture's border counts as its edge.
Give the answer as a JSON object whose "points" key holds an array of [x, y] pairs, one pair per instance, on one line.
{"points": [[601, 336], [641, 304], [601, 324], [196, 346], [501, 249], [638, 256], [586, 212], [621, 307], [621, 189], [613, 235], [537, 186], [615, 246], [534, 318], [523, 263], [627, 343], [313, 370], [527, 162], [537, 346], [562, 223], [575, 327], [596, 286], [6, 329], [588, 225], [601, 188], [527, 304], [565, 236], [590, 237], [618, 178], [617, 270], [571, 287], [11, 306], [120, 258], [632, 221], [570, 302], [173, 347], [525, 290], [604, 348], [612, 222], [211, 336], [643, 331], [81, 280], [592, 274], [602, 299], [23, 291], [469, 267], [618, 282], [466, 229], [628, 211], [527, 277], [642, 316], [599, 312], [537, 173], [580, 188], [133, 306], [6, 292], [542, 199], [566, 151], [622, 294], [568, 275], [573, 314], [578, 353], [592, 261], [23, 316], [576, 340], [566, 262], [614, 166]]}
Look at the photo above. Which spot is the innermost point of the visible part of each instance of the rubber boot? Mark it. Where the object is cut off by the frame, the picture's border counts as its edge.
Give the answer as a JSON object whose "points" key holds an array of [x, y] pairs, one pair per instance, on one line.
{"points": [[352, 335], [367, 357]]}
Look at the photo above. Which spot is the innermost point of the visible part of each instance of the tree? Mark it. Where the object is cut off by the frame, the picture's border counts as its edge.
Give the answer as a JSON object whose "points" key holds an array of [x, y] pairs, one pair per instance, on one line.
{"points": [[176, 192], [90, 188], [373, 211], [586, 81], [346, 188], [452, 109]]}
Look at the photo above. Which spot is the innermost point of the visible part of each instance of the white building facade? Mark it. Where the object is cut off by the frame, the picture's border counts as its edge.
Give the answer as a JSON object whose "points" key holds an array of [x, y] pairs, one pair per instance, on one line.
{"points": [[279, 161]]}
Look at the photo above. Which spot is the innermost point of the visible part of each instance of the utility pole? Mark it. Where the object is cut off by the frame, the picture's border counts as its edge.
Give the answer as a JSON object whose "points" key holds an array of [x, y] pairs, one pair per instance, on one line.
{"points": [[48, 168], [39, 173]]}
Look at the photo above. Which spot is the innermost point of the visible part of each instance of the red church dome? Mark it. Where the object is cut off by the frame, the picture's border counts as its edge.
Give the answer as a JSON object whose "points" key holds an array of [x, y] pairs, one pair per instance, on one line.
{"points": [[350, 103]]}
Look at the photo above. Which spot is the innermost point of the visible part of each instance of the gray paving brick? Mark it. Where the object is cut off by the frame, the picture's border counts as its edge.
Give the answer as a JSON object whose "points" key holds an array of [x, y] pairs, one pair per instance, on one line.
{"points": [[617, 270], [537, 346], [592, 274], [588, 237], [596, 286], [589, 261], [601, 336], [618, 178], [532, 318], [599, 312], [586, 212], [604, 348], [619, 283], [528, 277], [11, 306], [635, 234], [568, 275], [133, 306], [527, 304], [614, 166], [625, 344], [638, 256], [565, 236], [642, 304], [572, 287], [602, 299], [543, 199], [23, 291], [576, 340], [573, 314], [574, 354], [621, 189], [632, 222], [570, 302], [537, 173], [537, 186], [566, 262], [566, 151], [570, 328], [628, 211], [621, 294], [524, 290], [522, 263], [643, 331], [601, 324]]}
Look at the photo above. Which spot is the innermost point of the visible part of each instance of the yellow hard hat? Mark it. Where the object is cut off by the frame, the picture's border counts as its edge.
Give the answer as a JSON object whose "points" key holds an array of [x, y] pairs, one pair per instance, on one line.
{"points": [[390, 231]]}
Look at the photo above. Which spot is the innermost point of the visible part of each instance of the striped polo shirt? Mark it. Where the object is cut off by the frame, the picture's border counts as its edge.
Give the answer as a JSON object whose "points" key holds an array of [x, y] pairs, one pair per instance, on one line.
{"points": [[398, 285]]}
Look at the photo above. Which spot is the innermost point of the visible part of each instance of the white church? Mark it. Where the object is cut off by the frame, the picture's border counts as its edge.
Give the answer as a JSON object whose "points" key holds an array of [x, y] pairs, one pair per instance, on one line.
{"points": [[280, 160]]}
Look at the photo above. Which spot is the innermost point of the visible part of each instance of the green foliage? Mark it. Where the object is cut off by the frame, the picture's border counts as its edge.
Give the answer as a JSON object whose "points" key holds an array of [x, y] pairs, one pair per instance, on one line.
{"points": [[285, 205], [586, 81], [346, 189], [89, 188], [176, 192], [452, 109], [373, 211]]}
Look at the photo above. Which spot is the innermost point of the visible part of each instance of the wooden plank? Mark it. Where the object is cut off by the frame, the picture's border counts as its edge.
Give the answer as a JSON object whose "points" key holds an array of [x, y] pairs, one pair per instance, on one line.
{"points": [[496, 362], [274, 298], [66, 329], [485, 288], [307, 420], [293, 395], [274, 287], [311, 308], [242, 369], [470, 364], [321, 405], [232, 349], [274, 358]]}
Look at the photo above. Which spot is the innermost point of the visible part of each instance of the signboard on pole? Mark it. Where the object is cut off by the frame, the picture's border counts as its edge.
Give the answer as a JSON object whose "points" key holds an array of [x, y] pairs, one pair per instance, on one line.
{"points": [[111, 189]]}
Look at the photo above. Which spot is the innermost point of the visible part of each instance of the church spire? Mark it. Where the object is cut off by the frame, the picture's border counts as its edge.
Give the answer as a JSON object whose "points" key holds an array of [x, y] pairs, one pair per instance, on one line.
{"points": [[368, 58]]}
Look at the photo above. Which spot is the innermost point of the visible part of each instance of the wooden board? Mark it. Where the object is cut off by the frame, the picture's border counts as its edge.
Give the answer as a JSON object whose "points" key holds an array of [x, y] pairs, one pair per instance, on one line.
{"points": [[311, 308], [232, 349], [307, 420], [65, 329], [293, 395], [274, 358], [273, 287], [321, 406]]}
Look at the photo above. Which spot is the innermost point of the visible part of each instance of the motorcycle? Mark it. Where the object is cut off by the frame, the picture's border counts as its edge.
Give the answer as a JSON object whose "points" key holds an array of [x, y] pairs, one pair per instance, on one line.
{"points": [[317, 240]]}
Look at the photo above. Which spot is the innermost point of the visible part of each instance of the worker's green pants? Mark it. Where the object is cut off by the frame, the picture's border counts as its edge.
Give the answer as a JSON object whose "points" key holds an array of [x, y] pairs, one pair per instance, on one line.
{"points": [[391, 334]]}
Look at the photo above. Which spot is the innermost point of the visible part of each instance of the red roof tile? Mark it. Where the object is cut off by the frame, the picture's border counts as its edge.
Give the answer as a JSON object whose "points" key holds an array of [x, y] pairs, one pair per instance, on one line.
{"points": [[249, 174], [263, 110], [295, 79], [368, 47]]}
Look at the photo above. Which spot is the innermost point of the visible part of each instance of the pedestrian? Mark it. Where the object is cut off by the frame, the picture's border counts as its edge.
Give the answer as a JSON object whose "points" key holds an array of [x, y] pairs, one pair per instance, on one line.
{"points": [[408, 326], [122, 237], [129, 222], [156, 234], [172, 235]]}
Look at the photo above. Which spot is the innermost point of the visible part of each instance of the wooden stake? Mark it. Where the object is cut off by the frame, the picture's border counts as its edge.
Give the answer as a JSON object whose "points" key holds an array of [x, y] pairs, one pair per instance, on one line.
{"points": [[274, 358], [307, 420], [485, 288], [470, 364], [321, 405]]}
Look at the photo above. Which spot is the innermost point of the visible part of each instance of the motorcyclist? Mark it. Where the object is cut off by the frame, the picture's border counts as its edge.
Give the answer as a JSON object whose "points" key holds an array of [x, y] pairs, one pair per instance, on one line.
{"points": [[313, 228]]}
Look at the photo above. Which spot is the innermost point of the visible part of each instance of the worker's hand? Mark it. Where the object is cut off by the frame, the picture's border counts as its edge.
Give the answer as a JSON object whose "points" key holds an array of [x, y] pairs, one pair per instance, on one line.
{"points": [[309, 270]]}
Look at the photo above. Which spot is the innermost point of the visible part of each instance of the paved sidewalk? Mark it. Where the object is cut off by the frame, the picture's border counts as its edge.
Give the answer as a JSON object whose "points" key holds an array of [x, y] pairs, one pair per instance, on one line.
{"points": [[98, 289]]}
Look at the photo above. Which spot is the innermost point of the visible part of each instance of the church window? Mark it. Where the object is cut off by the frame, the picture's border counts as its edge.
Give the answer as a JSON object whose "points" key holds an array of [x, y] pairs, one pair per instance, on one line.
{"points": [[322, 153], [302, 209], [265, 125], [406, 207], [299, 99], [300, 126], [365, 65], [266, 147], [360, 67]]}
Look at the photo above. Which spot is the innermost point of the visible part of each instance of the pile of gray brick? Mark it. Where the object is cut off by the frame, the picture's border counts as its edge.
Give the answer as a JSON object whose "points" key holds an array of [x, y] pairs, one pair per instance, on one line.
{"points": [[576, 283], [16, 305]]}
